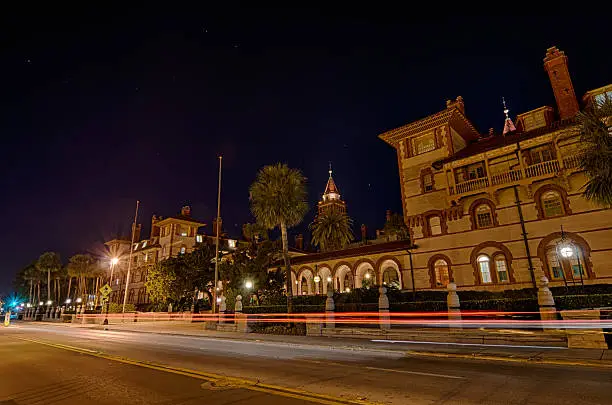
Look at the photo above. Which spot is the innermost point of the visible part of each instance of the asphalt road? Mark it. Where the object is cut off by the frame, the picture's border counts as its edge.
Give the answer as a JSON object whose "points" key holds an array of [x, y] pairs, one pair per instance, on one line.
{"points": [[63, 365]]}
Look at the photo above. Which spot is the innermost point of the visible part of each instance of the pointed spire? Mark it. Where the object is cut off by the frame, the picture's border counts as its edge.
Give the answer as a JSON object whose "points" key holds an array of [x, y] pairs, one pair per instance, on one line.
{"points": [[508, 124], [331, 191]]}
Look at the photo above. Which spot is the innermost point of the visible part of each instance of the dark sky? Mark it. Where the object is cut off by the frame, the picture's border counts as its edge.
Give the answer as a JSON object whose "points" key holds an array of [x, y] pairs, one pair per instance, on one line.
{"points": [[102, 107]]}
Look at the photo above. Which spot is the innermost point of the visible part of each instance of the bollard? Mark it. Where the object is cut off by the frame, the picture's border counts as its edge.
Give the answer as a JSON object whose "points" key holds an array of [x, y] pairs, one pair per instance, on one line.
{"points": [[546, 302], [383, 308], [453, 303], [329, 308]]}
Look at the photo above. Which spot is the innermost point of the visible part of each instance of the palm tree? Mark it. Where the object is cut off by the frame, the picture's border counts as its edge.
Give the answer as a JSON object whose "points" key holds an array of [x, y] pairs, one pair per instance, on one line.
{"points": [[278, 199], [49, 262], [31, 274], [254, 233], [81, 265], [596, 136], [331, 230]]}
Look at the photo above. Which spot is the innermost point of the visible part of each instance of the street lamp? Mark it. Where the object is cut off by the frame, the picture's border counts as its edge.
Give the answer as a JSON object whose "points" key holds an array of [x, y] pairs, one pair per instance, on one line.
{"points": [[49, 302], [317, 279], [113, 263], [567, 249], [248, 284]]}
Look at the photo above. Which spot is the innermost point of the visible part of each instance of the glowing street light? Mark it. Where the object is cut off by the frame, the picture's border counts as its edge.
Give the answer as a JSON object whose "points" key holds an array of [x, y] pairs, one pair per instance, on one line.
{"points": [[114, 261], [49, 302], [79, 300], [367, 275], [41, 303], [248, 284], [317, 279], [329, 279], [68, 300]]}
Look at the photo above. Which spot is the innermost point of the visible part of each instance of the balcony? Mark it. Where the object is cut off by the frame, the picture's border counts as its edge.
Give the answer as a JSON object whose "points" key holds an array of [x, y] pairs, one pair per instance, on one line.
{"points": [[543, 169]]}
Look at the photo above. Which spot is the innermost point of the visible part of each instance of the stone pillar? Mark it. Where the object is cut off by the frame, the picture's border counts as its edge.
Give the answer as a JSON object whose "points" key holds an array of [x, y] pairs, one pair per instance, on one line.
{"points": [[383, 308], [548, 312], [242, 322], [238, 305], [222, 309], [453, 303], [329, 308], [57, 313], [591, 337], [83, 313]]}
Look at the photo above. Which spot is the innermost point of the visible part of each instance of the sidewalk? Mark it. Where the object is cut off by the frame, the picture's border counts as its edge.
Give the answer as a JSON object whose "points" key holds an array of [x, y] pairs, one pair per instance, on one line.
{"points": [[449, 350]]}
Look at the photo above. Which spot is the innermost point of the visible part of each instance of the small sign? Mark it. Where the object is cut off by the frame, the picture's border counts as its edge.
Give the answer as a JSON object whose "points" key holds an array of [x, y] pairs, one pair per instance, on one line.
{"points": [[105, 290]]}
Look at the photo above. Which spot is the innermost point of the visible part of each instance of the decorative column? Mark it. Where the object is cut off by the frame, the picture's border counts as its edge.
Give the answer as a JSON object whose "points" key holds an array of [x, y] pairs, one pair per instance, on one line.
{"points": [[546, 302], [383, 308], [329, 308], [238, 305], [453, 303]]}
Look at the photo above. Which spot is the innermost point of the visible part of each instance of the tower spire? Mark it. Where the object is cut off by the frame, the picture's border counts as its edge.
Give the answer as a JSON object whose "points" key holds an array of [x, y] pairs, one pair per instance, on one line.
{"points": [[330, 169], [508, 124]]}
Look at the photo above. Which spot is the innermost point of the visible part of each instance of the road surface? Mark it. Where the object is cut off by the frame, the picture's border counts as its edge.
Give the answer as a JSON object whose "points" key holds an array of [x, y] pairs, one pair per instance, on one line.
{"points": [[45, 364]]}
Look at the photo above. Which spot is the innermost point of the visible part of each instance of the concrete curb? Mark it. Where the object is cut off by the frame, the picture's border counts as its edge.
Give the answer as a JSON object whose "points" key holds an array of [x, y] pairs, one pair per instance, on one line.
{"points": [[508, 359]]}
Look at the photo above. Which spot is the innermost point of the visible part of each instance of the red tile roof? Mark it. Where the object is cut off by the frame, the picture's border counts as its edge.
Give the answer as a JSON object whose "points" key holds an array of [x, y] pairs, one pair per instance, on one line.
{"points": [[497, 141]]}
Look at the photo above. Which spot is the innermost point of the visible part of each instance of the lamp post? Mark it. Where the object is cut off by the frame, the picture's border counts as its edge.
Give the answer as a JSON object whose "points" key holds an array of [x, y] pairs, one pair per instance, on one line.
{"points": [[113, 263]]}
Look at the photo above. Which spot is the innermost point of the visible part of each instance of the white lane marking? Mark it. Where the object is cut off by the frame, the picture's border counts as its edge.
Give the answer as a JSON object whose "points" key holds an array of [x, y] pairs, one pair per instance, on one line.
{"points": [[456, 377], [416, 342]]}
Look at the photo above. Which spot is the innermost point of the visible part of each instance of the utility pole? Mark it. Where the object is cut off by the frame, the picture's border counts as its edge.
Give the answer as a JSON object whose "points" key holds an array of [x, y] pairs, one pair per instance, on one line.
{"points": [[127, 279], [215, 288]]}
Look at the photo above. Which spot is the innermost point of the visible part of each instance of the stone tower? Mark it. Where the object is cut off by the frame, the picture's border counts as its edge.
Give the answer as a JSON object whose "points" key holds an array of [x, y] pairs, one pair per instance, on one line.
{"points": [[555, 64]]}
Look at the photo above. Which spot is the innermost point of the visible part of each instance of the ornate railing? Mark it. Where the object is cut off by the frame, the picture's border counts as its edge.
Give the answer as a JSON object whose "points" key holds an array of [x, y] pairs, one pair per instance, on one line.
{"points": [[506, 177], [573, 161], [471, 185], [541, 169]]}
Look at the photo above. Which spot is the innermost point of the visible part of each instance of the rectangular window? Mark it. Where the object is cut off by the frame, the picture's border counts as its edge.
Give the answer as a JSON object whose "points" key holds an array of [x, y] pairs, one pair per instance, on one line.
{"points": [[485, 272], [427, 182], [577, 270], [434, 226], [552, 207], [199, 238], [424, 144], [502, 270], [484, 220]]}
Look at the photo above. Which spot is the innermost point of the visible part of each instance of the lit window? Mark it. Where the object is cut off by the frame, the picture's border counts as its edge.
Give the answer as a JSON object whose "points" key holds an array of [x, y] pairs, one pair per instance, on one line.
{"points": [[552, 204], [502, 269], [183, 233], [231, 243], [424, 144], [144, 244], [483, 216], [441, 273], [199, 238], [427, 182], [434, 226], [136, 246], [183, 250], [485, 269]]}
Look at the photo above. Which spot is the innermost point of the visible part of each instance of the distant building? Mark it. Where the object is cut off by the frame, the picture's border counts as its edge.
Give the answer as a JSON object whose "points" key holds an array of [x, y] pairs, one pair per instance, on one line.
{"points": [[330, 200], [485, 210], [170, 237]]}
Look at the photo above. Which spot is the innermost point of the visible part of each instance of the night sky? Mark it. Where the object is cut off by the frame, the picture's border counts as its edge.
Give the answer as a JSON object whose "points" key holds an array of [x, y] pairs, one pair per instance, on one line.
{"points": [[102, 108]]}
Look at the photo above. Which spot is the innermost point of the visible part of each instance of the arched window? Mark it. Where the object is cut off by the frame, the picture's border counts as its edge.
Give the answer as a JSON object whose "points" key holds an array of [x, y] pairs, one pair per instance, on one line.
{"points": [[304, 286], [566, 261], [501, 267], [131, 296], [435, 227], [484, 216], [552, 204], [441, 273], [484, 266]]}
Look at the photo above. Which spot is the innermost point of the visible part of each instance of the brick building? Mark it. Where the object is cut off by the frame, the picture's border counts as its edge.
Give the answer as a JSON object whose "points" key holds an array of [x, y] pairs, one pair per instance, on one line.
{"points": [[487, 210]]}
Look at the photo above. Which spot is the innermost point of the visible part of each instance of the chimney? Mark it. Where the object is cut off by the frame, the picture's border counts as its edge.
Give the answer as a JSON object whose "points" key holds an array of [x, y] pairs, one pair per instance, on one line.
{"points": [[458, 103], [555, 63], [154, 227], [388, 215], [136, 232], [299, 241], [364, 232], [186, 211]]}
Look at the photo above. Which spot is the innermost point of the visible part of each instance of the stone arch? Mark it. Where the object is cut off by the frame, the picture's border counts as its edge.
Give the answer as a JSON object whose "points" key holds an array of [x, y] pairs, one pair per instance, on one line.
{"points": [[360, 268], [343, 277], [501, 249], [432, 272], [537, 198], [387, 264], [574, 237], [305, 281], [324, 272], [294, 288]]}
